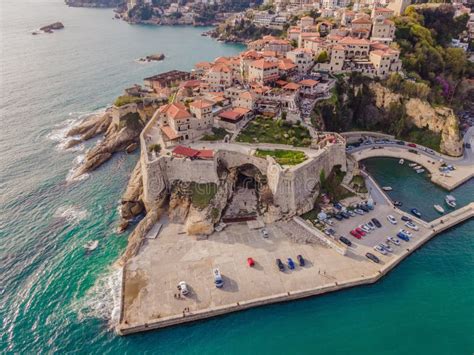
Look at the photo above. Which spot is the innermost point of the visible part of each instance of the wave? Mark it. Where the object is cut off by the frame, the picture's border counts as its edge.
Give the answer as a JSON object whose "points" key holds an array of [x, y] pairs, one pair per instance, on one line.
{"points": [[104, 299], [71, 214], [58, 134], [75, 165]]}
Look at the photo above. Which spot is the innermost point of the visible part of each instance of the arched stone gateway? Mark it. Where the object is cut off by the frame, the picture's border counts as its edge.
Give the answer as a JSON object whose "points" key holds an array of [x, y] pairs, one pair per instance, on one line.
{"points": [[251, 194]]}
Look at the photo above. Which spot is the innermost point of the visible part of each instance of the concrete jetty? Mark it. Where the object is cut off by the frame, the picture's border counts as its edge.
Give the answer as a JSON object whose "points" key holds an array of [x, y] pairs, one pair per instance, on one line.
{"points": [[455, 178], [150, 278]]}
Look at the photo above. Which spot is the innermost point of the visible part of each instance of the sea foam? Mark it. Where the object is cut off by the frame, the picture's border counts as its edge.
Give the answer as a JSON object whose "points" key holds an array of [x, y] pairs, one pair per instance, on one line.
{"points": [[103, 299], [71, 214]]}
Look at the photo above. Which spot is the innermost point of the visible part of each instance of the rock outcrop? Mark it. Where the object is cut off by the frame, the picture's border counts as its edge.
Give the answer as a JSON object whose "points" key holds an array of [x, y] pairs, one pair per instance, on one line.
{"points": [[200, 220], [131, 202], [50, 28], [421, 114], [437, 119]]}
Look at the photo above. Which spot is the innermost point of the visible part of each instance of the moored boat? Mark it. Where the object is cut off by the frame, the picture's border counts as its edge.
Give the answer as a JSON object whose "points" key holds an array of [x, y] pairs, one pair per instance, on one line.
{"points": [[91, 245], [416, 167], [450, 201], [397, 203], [387, 188], [401, 161], [419, 171], [438, 208], [412, 165], [415, 212]]}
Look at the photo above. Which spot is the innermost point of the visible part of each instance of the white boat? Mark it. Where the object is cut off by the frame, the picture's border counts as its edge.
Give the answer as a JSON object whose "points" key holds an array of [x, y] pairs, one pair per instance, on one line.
{"points": [[419, 171], [438, 208], [416, 167], [450, 201], [387, 188], [92, 245], [401, 161], [412, 165]]}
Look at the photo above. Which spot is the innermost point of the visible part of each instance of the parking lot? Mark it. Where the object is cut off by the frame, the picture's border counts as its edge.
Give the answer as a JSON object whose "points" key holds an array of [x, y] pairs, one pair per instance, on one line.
{"points": [[151, 278]]}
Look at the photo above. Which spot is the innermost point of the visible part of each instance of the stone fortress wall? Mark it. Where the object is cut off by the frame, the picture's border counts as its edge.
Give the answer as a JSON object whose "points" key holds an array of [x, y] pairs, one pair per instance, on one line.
{"points": [[294, 188]]}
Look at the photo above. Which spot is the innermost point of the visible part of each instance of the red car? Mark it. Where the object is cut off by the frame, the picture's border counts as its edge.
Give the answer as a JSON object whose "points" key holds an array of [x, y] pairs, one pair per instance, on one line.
{"points": [[355, 234], [360, 231], [250, 262], [413, 145]]}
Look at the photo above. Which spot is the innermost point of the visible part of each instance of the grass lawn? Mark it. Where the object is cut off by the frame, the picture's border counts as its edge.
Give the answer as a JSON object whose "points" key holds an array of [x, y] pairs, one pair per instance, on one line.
{"points": [[202, 194], [283, 157], [266, 130], [218, 134]]}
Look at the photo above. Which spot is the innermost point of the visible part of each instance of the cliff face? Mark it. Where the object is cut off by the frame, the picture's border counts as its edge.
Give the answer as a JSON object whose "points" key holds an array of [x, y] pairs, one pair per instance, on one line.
{"points": [[421, 114]]}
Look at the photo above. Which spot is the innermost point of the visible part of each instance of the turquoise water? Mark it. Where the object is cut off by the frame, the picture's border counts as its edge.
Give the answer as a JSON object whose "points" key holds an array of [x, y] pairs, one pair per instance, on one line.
{"points": [[420, 193], [55, 298]]}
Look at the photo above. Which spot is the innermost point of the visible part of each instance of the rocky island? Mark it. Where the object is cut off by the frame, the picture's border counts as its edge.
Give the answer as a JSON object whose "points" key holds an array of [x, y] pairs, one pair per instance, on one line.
{"points": [[152, 58], [49, 28]]}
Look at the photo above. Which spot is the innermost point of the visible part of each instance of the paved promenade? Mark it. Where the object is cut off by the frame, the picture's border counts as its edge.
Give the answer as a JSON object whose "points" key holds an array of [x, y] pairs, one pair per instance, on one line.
{"points": [[150, 278]]}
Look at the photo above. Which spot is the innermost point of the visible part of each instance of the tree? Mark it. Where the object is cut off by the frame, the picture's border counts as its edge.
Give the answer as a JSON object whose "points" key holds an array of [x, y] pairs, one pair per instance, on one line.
{"points": [[322, 57]]}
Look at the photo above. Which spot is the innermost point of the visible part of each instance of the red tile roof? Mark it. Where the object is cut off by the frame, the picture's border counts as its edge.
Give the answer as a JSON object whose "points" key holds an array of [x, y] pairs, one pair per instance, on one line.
{"points": [[308, 82], [185, 151], [200, 104], [175, 111]]}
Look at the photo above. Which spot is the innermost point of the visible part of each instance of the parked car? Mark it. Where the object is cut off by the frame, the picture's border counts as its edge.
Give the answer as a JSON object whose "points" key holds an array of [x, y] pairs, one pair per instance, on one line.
{"points": [[413, 145], [291, 264], [183, 288], [372, 257], [264, 232], [380, 249], [300, 260], [370, 225], [406, 219], [352, 214], [360, 231], [218, 281], [338, 217], [250, 262], [337, 205], [391, 219], [345, 215], [345, 241], [400, 142], [403, 236], [364, 208], [359, 211], [364, 228], [355, 234], [280, 265], [376, 222]]}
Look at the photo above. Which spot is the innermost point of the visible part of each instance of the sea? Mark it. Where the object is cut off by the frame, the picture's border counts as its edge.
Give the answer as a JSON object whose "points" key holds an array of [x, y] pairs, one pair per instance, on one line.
{"points": [[56, 298]]}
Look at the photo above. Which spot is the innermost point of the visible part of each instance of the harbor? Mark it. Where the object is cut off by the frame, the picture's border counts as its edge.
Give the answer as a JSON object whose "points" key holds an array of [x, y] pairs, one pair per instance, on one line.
{"points": [[150, 279]]}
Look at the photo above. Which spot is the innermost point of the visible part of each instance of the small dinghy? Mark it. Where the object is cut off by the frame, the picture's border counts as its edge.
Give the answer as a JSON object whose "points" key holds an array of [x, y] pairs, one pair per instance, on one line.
{"points": [[387, 188], [438, 208], [412, 165], [397, 203], [450, 201], [416, 167], [401, 161], [419, 171], [92, 245], [415, 212]]}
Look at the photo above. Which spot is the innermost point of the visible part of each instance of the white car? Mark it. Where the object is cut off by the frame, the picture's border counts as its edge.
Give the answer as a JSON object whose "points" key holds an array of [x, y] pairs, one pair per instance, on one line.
{"points": [[412, 225], [393, 240], [183, 288], [364, 228], [391, 219], [359, 211], [386, 247], [380, 249], [404, 231]]}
